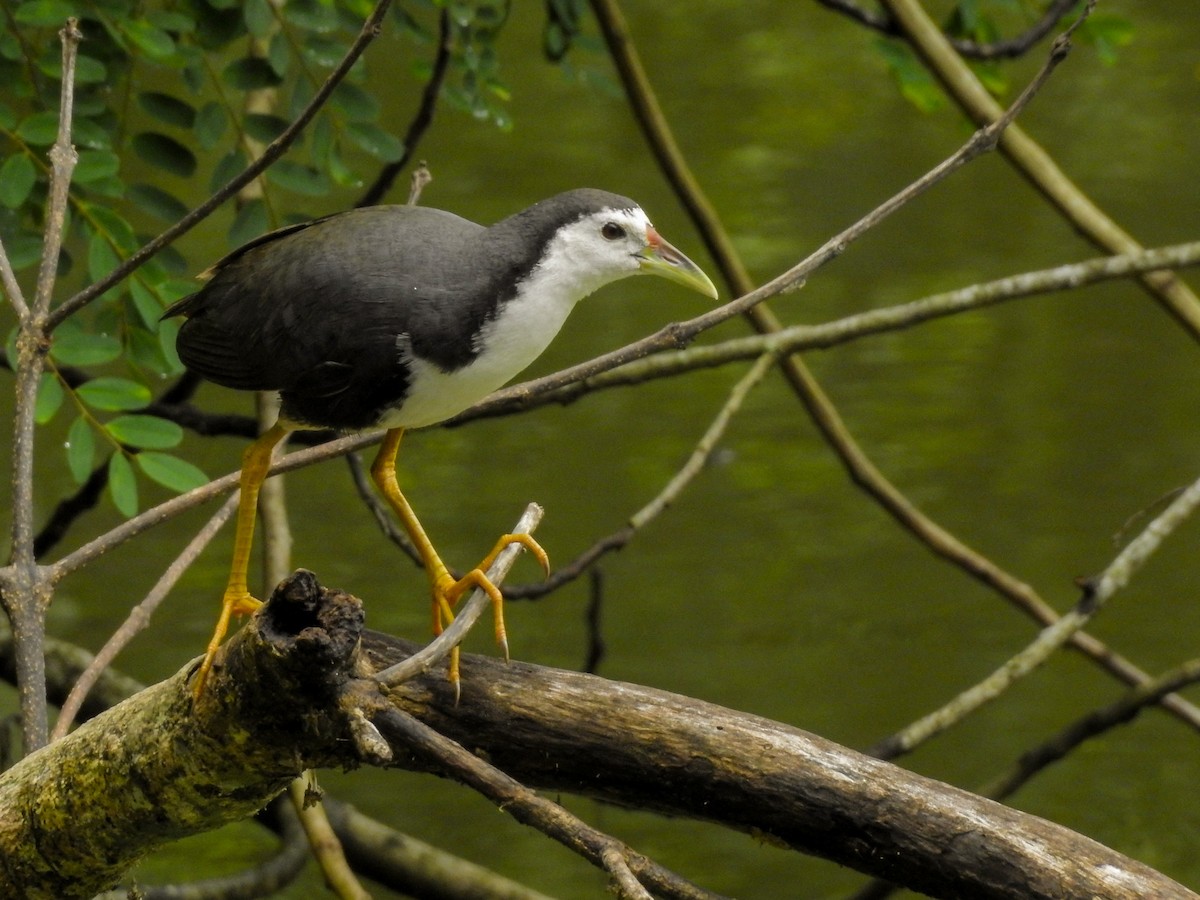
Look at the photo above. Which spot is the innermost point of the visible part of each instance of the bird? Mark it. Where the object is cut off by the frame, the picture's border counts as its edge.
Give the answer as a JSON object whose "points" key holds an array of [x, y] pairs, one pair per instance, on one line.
{"points": [[399, 317]]}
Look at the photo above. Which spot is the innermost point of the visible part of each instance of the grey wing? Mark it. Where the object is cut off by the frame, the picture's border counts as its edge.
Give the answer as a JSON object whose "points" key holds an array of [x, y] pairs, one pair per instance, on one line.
{"points": [[314, 309]]}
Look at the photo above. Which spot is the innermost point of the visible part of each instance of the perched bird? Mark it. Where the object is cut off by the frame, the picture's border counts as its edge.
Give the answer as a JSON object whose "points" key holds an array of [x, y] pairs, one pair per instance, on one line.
{"points": [[398, 317]]}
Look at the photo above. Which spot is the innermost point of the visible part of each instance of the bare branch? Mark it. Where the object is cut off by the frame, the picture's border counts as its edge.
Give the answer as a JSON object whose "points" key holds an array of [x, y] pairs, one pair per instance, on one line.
{"points": [[1033, 162], [139, 617], [619, 860], [1096, 593], [466, 618], [12, 288]]}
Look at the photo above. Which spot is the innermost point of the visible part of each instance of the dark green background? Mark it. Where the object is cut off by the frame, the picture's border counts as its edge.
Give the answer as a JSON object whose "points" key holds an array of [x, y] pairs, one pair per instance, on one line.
{"points": [[1034, 431]]}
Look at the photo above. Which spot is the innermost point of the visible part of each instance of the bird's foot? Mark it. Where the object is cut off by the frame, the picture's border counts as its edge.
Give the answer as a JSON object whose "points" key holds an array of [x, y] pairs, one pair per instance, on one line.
{"points": [[447, 592], [236, 602]]}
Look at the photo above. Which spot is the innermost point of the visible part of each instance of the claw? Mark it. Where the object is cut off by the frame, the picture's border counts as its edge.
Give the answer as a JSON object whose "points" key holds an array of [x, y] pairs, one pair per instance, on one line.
{"points": [[236, 602]]}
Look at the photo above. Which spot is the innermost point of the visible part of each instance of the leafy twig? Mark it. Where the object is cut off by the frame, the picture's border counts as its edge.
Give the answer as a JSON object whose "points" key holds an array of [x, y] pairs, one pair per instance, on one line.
{"points": [[271, 152]]}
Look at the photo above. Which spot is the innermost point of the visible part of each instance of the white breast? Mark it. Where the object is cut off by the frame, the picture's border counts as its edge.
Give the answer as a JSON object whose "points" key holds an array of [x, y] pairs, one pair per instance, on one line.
{"points": [[574, 265]]}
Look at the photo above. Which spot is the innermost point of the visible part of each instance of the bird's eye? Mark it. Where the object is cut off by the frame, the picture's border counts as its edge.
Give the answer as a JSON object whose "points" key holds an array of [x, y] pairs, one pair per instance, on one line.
{"points": [[612, 231]]}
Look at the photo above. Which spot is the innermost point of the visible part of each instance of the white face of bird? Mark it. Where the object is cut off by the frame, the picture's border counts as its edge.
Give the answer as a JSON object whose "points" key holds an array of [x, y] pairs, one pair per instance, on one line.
{"points": [[597, 249], [610, 244]]}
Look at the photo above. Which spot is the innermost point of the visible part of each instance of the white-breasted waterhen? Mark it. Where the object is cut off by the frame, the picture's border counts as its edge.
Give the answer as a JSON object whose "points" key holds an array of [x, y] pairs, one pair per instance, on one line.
{"points": [[398, 317]]}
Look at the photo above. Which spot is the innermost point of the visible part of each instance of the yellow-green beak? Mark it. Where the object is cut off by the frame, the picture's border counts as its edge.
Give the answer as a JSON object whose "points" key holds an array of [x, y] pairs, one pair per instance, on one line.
{"points": [[660, 258]]}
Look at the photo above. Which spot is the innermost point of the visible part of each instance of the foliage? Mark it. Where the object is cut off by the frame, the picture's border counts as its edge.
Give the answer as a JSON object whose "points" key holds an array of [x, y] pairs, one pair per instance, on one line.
{"points": [[168, 99]]}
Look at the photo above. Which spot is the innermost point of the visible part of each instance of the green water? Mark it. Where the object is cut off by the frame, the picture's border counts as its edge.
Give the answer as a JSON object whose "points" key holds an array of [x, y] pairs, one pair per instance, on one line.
{"points": [[1033, 431]]}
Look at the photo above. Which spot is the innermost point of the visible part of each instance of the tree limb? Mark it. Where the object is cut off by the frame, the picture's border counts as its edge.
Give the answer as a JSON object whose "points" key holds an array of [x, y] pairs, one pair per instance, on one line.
{"points": [[281, 699]]}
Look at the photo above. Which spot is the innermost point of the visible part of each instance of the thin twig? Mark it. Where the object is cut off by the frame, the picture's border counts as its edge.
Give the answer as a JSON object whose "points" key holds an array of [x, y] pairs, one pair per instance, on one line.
{"points": [[139, 617], [679, 334], [1060, 745], [322, 840], [422, 120], [1007, 48], [670, 493], [1032, 162], [528, 808], [12, 288], [23, 592], [860, 468], [1094, 724], [169, 509], [452, 636], [880, 321], [1096, 593]]}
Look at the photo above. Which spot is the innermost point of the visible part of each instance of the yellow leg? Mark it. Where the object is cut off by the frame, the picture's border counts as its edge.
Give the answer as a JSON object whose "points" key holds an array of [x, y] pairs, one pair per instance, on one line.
{"points": [[256, 461], [446, 590]]}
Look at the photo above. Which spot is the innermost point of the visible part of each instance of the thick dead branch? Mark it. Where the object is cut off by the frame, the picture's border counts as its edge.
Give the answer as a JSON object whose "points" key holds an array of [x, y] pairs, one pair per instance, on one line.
{"points": [[154, 769]]}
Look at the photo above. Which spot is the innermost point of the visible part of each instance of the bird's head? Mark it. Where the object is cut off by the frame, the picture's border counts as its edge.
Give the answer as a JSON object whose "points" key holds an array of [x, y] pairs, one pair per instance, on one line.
{"points": [[610, 237]]}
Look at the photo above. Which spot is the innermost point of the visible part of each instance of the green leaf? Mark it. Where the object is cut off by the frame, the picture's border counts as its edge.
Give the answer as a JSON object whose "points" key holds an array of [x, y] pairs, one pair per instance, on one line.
{"points": [[250, 73], [341, 173], [280, 53], [111, 393], [227, 168], [211, 122], [376, 141], [102, 259], [144, 351], [81, 449], [77, 348], [916, 84], [146, 302], [171, 471], [96, 164], [17, 178], [263, 127], [39, 129], [87, 133], [114, 225], [45, 13], [122, 485], [302, 179], [258, 17], [157, 202], [149, 432], [354, 103], [151, 40], [179, 22], [250, 222], [323, 51], [167, 108], [167, 332], [311, 15], [1107, 32], [49, 398], [24, 250], [165, 152]]}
